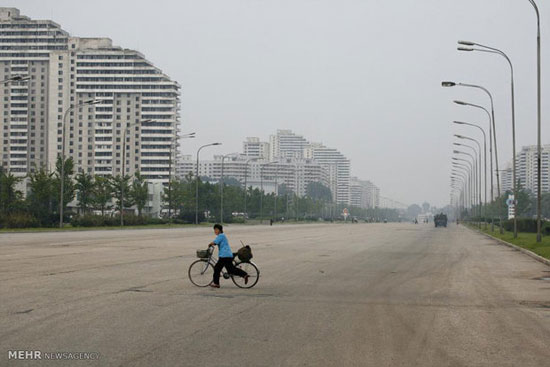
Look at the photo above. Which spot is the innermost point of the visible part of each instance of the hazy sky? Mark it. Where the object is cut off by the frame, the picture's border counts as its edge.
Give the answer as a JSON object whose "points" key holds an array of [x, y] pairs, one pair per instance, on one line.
{"points": [[362, 76]]}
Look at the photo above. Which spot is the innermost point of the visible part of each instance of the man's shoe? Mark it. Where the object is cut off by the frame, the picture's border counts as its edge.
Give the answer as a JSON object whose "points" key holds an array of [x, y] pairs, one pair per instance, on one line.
{"points": [[246, 279], [214, 285]]}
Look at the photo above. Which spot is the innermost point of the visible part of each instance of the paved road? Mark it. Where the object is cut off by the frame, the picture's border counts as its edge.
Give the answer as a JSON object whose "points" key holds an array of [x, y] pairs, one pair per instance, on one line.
{"points": [[330, 295]]}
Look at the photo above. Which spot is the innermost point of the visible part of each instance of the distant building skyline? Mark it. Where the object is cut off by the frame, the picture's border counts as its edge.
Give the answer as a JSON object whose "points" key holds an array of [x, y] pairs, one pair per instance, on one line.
{"points": [[292, 160]]}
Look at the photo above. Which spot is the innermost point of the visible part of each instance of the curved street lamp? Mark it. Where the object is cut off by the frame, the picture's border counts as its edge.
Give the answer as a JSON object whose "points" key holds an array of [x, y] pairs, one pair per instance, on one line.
{"points": [[62, 178], [262, 187], [462, 137], [483, 48], [461, 178], [464, 171], [492, 129], [497, 171], [472, 172], [221, 183], [539, 146], [197, 181], [485, 162]]}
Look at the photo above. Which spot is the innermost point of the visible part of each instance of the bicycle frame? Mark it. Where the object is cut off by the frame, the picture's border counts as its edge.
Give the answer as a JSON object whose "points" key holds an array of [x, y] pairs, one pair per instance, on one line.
{"points": [[212, 260]]}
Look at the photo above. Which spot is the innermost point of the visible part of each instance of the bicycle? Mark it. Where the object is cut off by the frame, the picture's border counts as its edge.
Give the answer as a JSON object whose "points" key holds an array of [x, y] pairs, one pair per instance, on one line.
{"points": [[201, 271]]}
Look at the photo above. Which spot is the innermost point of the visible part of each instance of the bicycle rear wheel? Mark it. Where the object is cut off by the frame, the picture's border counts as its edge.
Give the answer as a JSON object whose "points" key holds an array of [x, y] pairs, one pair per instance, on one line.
{"points": [[253, 275], [201, 273]]}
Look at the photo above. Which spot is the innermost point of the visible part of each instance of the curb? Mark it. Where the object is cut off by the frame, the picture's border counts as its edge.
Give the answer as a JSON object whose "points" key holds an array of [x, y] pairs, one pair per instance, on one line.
{"points": [[515, 247]]}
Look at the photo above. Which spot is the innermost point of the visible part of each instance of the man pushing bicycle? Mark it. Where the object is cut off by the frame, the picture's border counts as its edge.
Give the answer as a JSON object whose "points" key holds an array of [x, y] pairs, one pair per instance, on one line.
{"points": [[225, 258]]}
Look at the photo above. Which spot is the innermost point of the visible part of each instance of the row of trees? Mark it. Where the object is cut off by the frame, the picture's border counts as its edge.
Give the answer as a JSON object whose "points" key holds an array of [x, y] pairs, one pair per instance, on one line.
{"points": [[40, 207], [100, 196], [526, 206], [317, 203]]}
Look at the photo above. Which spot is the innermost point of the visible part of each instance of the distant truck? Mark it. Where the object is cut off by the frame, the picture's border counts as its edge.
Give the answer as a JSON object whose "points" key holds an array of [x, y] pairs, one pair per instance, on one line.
{"points": [[440, 220]]}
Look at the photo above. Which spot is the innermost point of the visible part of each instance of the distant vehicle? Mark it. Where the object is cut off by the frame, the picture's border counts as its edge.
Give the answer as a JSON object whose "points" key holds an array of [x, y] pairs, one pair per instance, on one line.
{"points": [[440, 220]]}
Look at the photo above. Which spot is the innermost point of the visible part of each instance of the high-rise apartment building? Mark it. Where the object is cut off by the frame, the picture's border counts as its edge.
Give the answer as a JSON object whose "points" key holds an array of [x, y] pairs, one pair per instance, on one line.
{"points": [[338, 169], [364, 194], [66, 71], [526, 174], [254, 148], [296, 174], [286, 144]]}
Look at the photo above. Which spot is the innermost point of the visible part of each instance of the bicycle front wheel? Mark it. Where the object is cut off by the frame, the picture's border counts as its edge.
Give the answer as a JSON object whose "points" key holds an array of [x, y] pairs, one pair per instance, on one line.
{"points": [[201, 273], [253, 275]]}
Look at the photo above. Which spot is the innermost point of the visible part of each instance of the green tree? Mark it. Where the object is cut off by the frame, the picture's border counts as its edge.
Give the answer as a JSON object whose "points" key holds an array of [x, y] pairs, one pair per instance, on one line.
{"points": [[139, 193], [84, 185], [102, 194], [10, 197], [42, 196], [318, 191], [120, 185], [182, 193]]}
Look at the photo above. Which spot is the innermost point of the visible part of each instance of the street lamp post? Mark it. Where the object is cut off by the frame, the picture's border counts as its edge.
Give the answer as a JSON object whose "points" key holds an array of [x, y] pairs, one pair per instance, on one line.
{"points": [[457, 182], [185, 136], [485, 159], [221, 185], [497, 171], [539, 146], [245, 214], [262, 188], [123, 165], [477, 180], [478, 164], [479, 167], [464, 172], [492, 133], [197, 181], [62, 178], [492, 50], [471, 175], [457, 186]]}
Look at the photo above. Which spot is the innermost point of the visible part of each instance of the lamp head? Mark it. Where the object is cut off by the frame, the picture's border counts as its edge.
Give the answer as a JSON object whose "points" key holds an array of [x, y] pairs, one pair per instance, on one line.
{"points": [[448, 84], [466, 43], [20, 78], [458, 122], [460, 103], [91, 101]]}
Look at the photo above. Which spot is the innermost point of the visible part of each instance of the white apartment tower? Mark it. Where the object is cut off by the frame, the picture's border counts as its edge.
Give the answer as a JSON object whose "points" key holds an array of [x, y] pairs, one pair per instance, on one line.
{"points": [[526, 165], [338, 169], [254, 148], [296, 174], [364, 194], [286, 144], [65, 71]]}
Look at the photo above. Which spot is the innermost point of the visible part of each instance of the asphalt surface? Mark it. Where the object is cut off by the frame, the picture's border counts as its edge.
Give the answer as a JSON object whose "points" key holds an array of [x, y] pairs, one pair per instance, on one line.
{"points": [[329, 295]]}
